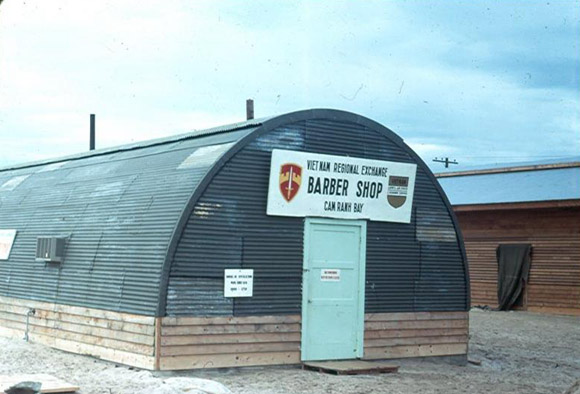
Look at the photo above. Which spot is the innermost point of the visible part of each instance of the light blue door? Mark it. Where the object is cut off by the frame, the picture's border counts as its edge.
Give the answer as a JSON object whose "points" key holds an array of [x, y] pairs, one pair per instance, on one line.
{"points": [[333, 289]]}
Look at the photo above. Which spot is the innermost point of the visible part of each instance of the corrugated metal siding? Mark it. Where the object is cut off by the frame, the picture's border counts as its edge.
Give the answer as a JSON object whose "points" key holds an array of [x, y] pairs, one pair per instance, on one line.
{"points": [[119, 210], [155, 145], [403, 274], [512, 187]]}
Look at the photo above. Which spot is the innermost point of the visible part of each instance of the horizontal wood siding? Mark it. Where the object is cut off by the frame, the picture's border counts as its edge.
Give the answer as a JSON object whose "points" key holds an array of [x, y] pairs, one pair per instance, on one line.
{"points": [[554, 283], [215, 342], [421, 334], [119, 337], [482, 271]]}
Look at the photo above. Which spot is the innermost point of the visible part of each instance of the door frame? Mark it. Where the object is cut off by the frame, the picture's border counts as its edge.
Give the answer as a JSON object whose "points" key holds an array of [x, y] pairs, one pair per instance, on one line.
{"points": [[361, 279]]}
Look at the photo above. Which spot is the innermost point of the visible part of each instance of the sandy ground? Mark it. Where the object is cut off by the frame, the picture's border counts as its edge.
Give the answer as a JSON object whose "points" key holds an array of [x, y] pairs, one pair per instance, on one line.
{"points": [[520, 352]]}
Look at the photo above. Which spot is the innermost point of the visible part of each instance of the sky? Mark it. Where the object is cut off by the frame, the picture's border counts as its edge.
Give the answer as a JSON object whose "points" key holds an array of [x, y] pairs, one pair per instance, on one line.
{"points": [[476, 81]]}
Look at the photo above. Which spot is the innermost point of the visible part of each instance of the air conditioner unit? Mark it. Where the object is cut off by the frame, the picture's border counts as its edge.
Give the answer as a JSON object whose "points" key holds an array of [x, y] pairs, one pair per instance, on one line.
{"points": [[50, 249]]}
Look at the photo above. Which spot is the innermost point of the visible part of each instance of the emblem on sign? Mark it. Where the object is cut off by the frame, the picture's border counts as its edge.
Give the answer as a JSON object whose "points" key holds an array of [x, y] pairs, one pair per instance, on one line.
{"points": [[290, 179], [397, 191]]}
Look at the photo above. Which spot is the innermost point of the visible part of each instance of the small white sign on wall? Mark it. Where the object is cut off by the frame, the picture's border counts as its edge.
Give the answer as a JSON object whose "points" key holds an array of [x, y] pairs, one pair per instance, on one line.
{"points": [[330, 275], [6, 241], [238, 283]]}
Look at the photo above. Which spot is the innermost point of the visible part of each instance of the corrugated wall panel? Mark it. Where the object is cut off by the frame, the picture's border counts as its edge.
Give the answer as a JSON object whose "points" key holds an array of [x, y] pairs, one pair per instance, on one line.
{"points": [[399, 276], [118, 210]]}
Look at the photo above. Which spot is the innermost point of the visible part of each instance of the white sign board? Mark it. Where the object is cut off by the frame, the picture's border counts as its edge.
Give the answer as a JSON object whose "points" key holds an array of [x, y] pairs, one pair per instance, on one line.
{"points": [[6, 241], [311, 184], [238, 283], [330, 275]]}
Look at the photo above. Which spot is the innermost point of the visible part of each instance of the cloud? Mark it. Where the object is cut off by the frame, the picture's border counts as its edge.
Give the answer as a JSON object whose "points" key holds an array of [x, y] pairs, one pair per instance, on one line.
{"points": [[466, 78]]}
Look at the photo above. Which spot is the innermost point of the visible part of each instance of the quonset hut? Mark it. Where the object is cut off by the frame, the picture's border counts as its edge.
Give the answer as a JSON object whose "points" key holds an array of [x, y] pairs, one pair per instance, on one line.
{"points": [[313, 235]]}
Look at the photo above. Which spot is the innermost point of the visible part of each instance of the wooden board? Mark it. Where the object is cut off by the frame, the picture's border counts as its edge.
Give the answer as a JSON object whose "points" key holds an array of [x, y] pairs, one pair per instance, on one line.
{"points": [[407, 351], [555, 311], [216, 342], [350, 367], [113, 336], [221, 320], [190, 342], [228, 360], [50, 384]]}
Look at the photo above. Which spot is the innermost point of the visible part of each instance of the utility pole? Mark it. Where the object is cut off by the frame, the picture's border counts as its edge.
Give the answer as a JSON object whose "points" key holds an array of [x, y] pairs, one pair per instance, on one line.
{"points": [[446, 161]]}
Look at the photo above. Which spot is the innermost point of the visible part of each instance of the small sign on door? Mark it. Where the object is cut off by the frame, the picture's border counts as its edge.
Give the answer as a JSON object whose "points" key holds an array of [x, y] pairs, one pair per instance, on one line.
{"points": [[238, 283], [330, 275]]}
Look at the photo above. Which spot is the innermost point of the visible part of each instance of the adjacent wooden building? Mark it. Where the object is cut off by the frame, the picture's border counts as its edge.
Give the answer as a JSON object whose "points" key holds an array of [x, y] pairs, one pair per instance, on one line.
{"points": [[312, 235], [531, 203]]}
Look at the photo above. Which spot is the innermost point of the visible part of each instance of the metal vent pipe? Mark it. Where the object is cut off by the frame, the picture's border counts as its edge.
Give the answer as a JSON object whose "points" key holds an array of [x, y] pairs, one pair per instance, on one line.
{"points": [[92, 138], [249, 109]]}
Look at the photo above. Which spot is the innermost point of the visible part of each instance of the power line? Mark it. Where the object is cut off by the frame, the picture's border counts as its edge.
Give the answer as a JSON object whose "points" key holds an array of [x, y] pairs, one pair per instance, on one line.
{"points": [[513, 157]]}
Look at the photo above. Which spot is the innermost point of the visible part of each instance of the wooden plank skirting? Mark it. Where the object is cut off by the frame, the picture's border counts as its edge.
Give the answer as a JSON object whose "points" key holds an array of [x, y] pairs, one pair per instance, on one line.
{"points": [[215, 342], [173, 343], [118, 337], [420, 334]]}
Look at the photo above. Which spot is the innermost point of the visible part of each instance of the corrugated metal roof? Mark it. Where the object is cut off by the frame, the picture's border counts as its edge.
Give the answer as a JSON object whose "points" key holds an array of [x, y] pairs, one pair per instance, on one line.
{"points": [[513, 187], [144, 144], [118, 207], [512, 166]]}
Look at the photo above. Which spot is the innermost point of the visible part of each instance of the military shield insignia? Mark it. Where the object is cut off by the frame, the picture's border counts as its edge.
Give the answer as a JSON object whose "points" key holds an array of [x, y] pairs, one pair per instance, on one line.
{"points": [[290, 179], [397, 191]]}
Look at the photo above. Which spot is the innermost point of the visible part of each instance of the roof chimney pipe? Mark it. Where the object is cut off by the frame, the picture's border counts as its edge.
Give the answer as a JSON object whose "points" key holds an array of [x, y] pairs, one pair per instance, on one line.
{"points": [[249, 109], [92, 138]]}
